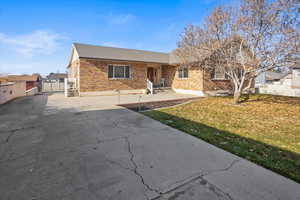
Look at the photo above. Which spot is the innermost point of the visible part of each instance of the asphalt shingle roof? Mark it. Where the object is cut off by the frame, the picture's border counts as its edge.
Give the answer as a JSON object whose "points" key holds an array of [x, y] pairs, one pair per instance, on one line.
{"points": [[112, 53], [23, 77], [270, 76]]}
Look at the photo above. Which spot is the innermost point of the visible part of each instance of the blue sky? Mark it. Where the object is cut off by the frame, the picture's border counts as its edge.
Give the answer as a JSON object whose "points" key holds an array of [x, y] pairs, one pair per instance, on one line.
{"points": [[36, 36]]}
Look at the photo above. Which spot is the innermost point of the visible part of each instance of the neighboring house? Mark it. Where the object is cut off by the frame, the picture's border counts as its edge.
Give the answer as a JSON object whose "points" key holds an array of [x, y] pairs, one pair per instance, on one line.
{"points": [[103, 70], [11, 90], [287, 85], [3, 80], [13, 86], [268, 77], [54, 82], [56, 77], [31, 80]]}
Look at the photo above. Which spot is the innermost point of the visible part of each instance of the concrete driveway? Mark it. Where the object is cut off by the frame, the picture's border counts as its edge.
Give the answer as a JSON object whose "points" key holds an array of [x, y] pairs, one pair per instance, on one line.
{"points": [[87, 148]]}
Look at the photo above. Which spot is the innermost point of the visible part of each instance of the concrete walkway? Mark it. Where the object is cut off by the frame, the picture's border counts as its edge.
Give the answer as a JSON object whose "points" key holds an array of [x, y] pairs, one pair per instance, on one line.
{"points": [[89, 149]]}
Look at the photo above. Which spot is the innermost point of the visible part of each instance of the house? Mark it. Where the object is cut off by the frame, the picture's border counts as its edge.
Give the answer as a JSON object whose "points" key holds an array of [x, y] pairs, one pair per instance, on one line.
{"points": [[3, 79], [268, 77], [287, 85], [56, 77], [31, 80], [101, 70], [54, 82], [11, 90]]}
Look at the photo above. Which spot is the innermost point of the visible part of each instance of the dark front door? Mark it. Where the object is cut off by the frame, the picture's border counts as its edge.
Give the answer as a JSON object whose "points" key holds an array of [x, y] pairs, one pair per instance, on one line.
{"points": [[150, 74]]}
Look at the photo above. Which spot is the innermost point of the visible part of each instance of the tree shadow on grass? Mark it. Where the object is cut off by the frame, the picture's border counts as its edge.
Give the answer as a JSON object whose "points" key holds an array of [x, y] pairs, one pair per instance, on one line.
{"points": [[279, 160], [272, 99], [267, 99]]}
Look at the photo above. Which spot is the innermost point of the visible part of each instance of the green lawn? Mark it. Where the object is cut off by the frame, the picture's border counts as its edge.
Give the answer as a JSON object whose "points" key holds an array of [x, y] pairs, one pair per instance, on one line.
{"points": [[265, 129]]}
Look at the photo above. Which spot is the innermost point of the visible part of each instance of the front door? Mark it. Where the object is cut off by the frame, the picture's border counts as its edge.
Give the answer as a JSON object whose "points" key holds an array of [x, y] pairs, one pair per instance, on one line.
{"points": [[150, 74]]}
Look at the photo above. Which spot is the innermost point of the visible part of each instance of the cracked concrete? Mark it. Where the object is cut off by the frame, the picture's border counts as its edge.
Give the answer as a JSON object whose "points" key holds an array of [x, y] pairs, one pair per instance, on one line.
{"points": [[12, 132], [135, 170], [195, 189], [57, 148]]}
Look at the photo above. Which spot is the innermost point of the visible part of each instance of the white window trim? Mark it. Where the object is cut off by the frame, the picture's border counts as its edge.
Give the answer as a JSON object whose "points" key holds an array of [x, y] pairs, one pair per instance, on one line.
{"points": [[118, 78], [182, 78], [220, 79]]}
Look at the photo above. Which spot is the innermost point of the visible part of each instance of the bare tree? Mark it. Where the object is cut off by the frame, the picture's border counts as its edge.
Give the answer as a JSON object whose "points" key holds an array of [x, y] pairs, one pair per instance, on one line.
{"points": [[243, 42]]}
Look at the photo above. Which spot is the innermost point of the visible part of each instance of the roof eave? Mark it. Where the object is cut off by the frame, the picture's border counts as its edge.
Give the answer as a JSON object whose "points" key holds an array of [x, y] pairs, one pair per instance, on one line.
{"points": [[122, 60]]}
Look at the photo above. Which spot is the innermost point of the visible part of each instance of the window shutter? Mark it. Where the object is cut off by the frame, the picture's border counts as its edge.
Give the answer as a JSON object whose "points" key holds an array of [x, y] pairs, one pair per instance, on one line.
{"points": [[110, 71]]}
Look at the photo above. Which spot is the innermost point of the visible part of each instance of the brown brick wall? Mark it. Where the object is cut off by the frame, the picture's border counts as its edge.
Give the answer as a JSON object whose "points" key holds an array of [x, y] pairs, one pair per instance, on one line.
{"points": [[193, 82], [94, 76], [168, 72], [209, 84]]}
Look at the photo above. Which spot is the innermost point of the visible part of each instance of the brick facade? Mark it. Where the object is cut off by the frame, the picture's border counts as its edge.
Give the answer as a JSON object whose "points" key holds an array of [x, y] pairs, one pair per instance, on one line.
{"points": [[210, 85], [193, 82], [94, 76], [168, 72], [198, 79]]}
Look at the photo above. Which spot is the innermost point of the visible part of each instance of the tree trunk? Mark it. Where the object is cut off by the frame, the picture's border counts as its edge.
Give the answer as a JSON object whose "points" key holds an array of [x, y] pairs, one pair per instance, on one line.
{"points": [[236, 97]]}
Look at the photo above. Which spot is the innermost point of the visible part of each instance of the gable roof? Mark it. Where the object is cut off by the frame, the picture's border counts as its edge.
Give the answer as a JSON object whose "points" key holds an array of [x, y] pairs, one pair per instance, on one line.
{"points": [[3, 79], [113, 53], [271, 76], [57, 75], [23, 77]]}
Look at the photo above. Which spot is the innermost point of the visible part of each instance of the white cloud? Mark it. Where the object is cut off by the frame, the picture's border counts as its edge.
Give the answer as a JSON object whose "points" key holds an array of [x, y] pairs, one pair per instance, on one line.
{"points": [[118, 19], [30, 66], [37, 42]]}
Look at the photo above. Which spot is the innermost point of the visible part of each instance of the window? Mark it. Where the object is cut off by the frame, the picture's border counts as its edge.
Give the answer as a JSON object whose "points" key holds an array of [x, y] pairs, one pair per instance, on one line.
{"points": [[118, 71], [183, 72], [219, 74]]}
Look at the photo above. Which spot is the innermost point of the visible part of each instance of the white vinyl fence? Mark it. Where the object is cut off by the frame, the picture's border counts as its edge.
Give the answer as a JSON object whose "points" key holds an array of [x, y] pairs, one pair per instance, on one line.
{"points": [[283, 87], [284, 90], [53, 86]]}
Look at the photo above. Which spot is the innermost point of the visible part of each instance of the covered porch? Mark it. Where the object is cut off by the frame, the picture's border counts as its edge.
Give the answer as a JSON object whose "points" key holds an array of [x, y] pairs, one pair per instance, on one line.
{"points": [[161, 76]]}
